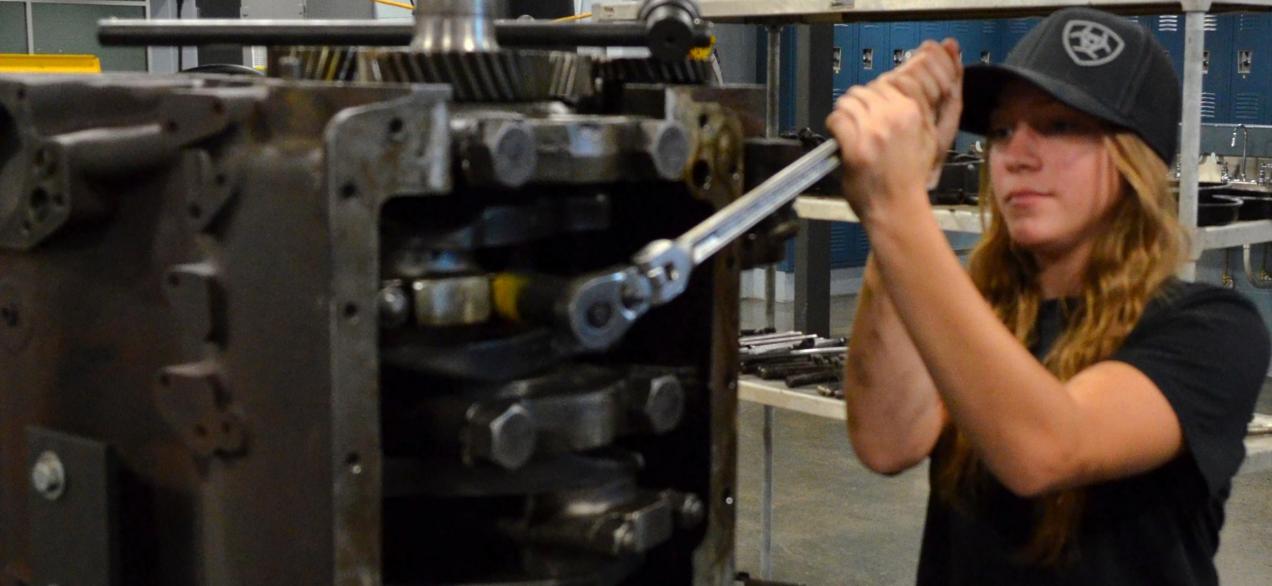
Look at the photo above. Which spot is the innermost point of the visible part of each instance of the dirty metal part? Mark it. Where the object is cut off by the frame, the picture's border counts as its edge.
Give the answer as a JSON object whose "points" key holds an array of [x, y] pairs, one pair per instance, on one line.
{"points": [[451, 301], [417, 258], [612, 520], [520, 75], [456, 26], [497, 152], [592, 149], [74, 509], [670, 25]]}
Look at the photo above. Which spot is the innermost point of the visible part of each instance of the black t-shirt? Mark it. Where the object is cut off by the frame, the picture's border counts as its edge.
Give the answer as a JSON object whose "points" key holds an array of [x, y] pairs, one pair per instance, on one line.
{"points": [[1207, 349]]}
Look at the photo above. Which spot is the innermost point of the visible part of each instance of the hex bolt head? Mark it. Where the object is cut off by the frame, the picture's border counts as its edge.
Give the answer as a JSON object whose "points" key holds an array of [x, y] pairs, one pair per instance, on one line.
{"points": [[504, 435], [666, 148], [661, 406], [48, 476]]}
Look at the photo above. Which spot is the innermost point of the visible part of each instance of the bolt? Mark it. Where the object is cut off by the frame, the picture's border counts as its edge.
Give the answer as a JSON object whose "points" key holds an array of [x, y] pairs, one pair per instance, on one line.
{"points": [[48, 477], [691, 511], [666, 148], [660, 405], [503, 435], [394, 305]]}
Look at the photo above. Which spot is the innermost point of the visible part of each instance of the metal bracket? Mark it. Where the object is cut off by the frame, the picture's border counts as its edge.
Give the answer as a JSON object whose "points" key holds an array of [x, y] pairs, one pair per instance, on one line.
{"points": [[73, 507]]}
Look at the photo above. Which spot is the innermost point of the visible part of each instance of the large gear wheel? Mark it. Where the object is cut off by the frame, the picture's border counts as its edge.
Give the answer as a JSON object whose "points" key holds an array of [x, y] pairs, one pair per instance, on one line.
{"points": [[688, 71]]}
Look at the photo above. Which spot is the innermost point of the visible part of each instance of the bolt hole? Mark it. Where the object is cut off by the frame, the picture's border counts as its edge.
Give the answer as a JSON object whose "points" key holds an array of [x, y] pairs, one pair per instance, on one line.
{"points": [[220, 179], [21, 94], [349, 190], [171, 126], [200, 431], [728, 497], [165, 380], [174, 280], [26, 227], [354, 462], [704, 121], [702, 175], [395, 125], [350, 310], [671, 272], [226, 428], [195, 211], [59, 200], [218, 107]]}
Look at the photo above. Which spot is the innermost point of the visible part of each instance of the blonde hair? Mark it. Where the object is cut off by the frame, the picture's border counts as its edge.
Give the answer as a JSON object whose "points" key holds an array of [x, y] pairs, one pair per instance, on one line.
{"points": [[1130, 261]]}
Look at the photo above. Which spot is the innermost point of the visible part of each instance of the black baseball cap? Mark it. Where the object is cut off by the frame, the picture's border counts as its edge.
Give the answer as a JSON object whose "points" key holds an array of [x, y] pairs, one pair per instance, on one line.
{"points": [[1095, 62]]}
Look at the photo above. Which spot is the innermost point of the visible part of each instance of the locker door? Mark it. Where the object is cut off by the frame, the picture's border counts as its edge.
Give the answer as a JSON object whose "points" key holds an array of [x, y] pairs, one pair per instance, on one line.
{"points": [[1251, 74], [1216, 83], [847, 61], [1169, 30], [904, 37], [873, 46], [975, 38]]}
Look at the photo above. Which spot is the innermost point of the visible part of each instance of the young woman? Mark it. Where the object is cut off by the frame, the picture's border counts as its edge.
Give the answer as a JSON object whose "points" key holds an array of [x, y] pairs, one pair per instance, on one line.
{"points": [[1082, 409]]}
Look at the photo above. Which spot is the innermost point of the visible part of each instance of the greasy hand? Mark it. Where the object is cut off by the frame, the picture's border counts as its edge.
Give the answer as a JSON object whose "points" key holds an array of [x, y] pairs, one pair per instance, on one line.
{"points": [[895, 130]]}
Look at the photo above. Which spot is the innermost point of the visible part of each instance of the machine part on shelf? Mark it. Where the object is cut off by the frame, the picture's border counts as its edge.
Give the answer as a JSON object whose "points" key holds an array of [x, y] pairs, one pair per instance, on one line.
{"points": [[453, 301], [456, 26], [809, 378], [500, 434], [832, 391]]}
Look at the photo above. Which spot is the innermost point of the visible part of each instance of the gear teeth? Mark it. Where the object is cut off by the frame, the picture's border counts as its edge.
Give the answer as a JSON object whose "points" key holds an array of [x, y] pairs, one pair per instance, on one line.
{"points": [[655, 71]]}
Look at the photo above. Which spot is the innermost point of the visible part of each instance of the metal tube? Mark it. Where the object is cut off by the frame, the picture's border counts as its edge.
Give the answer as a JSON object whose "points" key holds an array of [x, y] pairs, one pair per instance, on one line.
{"points": [[1190, 134], [511, 33], [771, 122]]}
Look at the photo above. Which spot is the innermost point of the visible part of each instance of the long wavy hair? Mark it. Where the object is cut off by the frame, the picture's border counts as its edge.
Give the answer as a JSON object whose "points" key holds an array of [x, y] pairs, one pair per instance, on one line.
{"points": [[1140, 251]]}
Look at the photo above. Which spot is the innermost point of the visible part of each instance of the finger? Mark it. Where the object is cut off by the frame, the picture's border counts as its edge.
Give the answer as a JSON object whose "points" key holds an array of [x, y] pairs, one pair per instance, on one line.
{"points": [[844, 130]]}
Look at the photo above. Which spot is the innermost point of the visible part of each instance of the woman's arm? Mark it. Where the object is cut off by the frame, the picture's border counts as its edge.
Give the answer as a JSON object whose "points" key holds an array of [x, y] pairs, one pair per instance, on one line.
{"points": [[894, 413]]}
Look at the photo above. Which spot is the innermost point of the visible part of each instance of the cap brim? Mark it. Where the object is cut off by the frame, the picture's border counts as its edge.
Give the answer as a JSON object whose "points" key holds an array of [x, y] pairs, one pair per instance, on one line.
{"points": [[983, 82]]}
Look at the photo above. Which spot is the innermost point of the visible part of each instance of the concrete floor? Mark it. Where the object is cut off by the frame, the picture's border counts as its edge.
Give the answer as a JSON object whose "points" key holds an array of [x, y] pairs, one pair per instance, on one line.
{"points": [[837, 523]]}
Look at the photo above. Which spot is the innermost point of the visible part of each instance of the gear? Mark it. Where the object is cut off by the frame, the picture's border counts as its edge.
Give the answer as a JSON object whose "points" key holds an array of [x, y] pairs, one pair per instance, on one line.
{"points": [[688, 71]]}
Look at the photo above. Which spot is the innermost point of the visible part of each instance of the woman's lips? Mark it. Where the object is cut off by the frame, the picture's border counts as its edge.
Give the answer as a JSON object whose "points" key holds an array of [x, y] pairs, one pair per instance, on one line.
{"points": [[1024, 196]]}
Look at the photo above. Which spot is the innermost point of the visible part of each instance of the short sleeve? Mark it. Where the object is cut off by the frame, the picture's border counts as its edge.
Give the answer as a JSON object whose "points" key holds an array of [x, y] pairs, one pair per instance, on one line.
{"points": [[1207, 350]]}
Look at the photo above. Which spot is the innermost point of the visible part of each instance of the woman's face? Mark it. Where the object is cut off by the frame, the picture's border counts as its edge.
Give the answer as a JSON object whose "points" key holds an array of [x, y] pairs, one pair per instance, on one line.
{"points": [[1053, 179]]}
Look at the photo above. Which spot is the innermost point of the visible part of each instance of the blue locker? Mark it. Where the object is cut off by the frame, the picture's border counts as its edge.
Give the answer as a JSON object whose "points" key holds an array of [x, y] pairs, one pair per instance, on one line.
{"points": [[903, 37], [847, 59], [1169, 30], [873, 50], [975, 39], [1216, 82], [1251, 72]]}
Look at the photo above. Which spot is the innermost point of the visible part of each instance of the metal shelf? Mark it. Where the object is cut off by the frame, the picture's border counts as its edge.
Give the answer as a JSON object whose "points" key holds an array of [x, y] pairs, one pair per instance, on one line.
{"points": [[967, 219], [951, 218], [777, 395], [823, 11]]}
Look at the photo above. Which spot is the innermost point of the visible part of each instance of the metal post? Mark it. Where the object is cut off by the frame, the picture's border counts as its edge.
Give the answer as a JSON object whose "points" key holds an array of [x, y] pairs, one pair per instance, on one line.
{"points": [[766, 500], [771, 128], [812, 245], [1190, 133]]}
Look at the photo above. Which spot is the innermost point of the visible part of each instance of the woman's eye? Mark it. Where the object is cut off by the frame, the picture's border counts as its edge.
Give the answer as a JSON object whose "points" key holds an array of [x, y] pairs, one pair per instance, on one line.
{"points": [[997, 133]]}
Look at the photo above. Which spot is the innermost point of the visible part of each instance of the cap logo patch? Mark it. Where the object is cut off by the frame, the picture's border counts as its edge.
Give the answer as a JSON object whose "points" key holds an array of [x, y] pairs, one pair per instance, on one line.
{"points": [[1091, 44]]}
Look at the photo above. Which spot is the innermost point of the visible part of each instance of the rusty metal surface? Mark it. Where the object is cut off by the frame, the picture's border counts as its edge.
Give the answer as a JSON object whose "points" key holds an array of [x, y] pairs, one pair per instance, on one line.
{"points": [[204, 301]]}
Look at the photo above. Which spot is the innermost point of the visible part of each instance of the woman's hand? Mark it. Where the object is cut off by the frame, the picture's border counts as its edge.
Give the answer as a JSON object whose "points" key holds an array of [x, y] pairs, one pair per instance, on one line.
{"points": [[895, 130]]}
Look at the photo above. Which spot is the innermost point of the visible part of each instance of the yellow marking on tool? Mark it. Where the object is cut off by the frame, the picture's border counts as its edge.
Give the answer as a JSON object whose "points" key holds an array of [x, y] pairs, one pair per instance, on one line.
{"points": [[20, 63], [505, 291], [395, 4]]}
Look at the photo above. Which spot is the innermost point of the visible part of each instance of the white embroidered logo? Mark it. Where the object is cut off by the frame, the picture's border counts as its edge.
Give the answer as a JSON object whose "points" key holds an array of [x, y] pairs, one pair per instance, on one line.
{"points": [[1091, 44]]}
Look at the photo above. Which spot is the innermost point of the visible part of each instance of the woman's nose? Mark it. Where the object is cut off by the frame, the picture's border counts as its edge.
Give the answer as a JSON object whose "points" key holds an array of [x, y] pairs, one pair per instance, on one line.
{"points": [[1019, 150]]}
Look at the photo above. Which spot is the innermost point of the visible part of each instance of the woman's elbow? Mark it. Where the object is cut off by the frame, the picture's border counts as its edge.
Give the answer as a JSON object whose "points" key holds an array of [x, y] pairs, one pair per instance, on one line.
{"points": [[885, 460], [1038, 476]]}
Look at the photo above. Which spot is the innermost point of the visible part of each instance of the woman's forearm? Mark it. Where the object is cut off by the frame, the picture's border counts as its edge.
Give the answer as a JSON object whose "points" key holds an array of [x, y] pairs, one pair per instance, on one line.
{"points": [[1017, 415], [894, 413]]}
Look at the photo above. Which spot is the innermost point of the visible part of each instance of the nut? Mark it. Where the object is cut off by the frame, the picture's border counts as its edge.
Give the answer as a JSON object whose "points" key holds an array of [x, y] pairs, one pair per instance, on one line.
{"points": [[48, 477], [660, 406]]}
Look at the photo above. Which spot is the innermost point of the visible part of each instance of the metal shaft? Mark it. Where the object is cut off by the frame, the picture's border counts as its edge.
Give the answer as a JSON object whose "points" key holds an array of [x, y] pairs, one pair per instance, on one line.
{"points": [[728, 224], [509, 33]]}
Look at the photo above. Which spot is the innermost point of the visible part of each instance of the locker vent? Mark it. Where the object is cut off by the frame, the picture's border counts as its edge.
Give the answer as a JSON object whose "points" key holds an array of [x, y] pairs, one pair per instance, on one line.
{"points": [[1247, 106]]}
